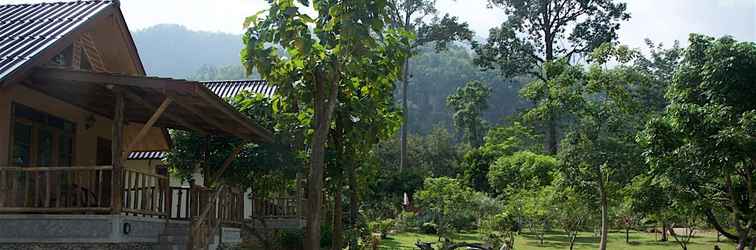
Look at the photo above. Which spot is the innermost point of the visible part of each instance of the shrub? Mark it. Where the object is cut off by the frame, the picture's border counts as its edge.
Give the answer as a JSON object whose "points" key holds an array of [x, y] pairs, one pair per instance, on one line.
{"points": [[429, 228], [382, 227], [408, 221], [290, 239]]}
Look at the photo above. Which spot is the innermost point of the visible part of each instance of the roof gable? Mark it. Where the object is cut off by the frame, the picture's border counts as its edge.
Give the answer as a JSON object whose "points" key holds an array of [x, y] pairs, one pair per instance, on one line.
{"points": [[33, 32]]}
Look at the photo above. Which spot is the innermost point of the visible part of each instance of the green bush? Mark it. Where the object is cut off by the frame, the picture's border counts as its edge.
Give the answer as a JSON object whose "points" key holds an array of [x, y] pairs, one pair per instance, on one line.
{"points": [[382, 226], [409, 221], [290, 239], [429, 228]]}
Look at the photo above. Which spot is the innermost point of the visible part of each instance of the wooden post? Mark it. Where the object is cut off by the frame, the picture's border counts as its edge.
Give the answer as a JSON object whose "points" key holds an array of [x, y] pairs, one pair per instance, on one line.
{"points": [[117, 151]]}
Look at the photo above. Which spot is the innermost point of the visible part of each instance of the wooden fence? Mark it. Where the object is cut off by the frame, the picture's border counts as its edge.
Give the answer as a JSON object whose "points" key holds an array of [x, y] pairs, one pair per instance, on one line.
{"points": [[55, 189], [145, 193]]}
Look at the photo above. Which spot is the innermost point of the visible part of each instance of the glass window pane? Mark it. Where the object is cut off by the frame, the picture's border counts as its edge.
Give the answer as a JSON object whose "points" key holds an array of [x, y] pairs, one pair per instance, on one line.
{"points": [[21, 144], [44, 147], [65, 155]]}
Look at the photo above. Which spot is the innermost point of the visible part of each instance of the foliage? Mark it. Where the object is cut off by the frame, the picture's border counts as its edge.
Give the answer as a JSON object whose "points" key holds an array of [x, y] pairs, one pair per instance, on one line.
{"points": [[555, 30], [521, 171], [226, 72], [659, 66], [501, 229], [289, 239], [446, 199], [323, 54], [436, 75], [382, 226], [600, 152], [468, 104], [429, 228], [704, 143], [265, 168]]}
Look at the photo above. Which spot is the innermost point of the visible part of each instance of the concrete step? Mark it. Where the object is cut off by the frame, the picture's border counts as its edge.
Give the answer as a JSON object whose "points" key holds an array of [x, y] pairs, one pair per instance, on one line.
{"points": [[172, 242]]}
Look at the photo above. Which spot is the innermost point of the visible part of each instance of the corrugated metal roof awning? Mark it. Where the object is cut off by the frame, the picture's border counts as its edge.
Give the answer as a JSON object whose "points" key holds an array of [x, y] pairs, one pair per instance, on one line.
{"points": [[147, 155], [231, 88]]}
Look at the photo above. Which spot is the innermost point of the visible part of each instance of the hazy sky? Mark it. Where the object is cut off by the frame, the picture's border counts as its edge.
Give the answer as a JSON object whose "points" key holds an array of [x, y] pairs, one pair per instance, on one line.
{"points": [[662, 20]]}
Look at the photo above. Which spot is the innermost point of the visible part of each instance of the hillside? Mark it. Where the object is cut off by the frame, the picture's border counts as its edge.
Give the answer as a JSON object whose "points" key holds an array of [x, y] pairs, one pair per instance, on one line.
{"points": [[172, 50]]}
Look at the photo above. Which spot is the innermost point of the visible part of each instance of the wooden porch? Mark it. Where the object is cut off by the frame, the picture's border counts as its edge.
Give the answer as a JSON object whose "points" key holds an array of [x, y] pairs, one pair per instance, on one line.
{"points": [[87, 190]]}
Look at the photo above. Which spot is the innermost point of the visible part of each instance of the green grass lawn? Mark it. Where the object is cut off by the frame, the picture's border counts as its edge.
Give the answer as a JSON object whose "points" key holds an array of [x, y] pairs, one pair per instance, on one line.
{"points": [[638, 240]]}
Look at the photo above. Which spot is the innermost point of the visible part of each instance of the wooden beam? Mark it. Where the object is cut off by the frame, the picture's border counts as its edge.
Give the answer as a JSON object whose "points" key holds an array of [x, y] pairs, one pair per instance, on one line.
{"points": [[203, 116], [117, 150], [54, 74], [136, 98], [147, 126]]}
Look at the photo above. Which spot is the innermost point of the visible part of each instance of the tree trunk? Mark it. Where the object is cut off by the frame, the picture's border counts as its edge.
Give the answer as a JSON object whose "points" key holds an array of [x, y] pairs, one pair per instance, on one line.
{"points": [[604, 212], [572, 239], [664, 236], [405, 116], [324, 107], [338, 224], [627, 235], [353, 205], [551, 136]]}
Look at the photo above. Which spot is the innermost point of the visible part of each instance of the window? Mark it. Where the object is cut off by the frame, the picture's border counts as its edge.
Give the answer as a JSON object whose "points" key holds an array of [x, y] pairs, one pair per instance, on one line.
{"points": [[64, 58], [41, 139]]}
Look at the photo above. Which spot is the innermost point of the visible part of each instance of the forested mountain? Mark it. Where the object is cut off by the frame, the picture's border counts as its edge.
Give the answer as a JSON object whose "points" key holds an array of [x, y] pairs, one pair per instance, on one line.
{"points": [[171, 50]]}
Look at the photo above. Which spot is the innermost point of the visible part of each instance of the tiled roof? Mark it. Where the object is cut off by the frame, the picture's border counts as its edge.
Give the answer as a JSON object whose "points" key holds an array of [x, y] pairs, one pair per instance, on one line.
{"points": [[28, 29], [231, 88], [146, 155]]}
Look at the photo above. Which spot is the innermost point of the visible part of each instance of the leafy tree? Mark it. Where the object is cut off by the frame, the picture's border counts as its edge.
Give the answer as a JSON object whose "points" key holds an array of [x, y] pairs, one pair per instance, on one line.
{"points": [[322, 54], [538, 208], [659, 66], [600, 152], [704, 144], [410, 15], [572, 212], [501, 229], [437, 75], [499, 141], [364, 117], [265, 168], [468, 104], [444, 198], [227, 72], [554, 30], [521, 171]]}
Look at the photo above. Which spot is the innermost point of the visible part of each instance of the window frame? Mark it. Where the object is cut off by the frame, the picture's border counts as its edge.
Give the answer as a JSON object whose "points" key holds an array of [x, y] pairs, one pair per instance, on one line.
{"points": [[57, 135]]}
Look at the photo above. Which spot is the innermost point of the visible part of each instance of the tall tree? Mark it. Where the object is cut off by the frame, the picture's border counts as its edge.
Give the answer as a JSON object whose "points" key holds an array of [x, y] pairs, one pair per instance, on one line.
{"points": [[705, 143], [365, 116], [411, 16], [322, 54], [555, 30], [468, 104], [600, 152]]}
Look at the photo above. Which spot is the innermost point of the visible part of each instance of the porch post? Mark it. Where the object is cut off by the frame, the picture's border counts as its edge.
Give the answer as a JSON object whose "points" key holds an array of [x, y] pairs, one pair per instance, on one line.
{"points": [[117, 150]]}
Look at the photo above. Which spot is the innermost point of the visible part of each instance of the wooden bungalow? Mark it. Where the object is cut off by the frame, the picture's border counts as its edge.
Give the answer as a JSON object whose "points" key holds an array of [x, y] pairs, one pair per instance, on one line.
{"points": [[76, 104], [283, 211]]}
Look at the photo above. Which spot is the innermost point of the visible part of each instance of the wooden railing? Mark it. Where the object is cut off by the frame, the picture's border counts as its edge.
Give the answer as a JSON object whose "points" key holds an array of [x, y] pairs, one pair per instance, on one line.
{"points": [[55, 189], [231, 206], [277, 208], [145, 193], [180, 203]]}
